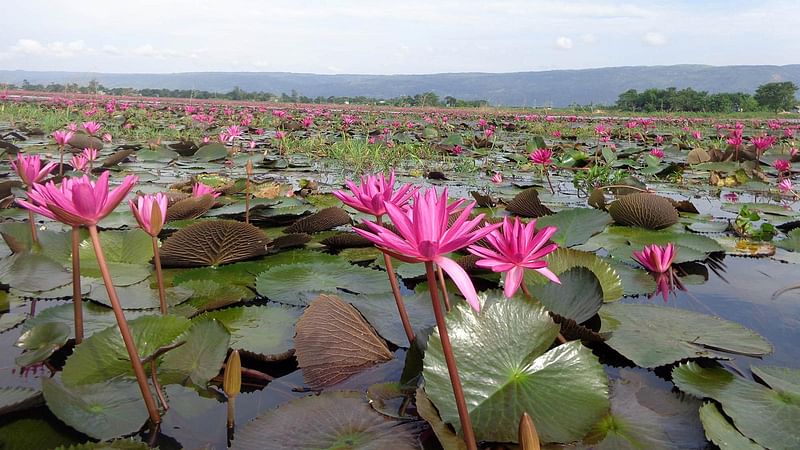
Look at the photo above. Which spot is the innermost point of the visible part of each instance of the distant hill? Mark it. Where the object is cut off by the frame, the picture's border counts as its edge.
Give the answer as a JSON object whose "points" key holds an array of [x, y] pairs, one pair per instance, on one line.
{"points": [[546, 88]]}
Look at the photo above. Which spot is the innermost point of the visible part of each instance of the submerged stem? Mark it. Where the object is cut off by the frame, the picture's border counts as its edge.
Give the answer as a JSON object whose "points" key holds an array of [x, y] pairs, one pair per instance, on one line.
{"points": [[77, 301], [127, 338], [447, 349]]}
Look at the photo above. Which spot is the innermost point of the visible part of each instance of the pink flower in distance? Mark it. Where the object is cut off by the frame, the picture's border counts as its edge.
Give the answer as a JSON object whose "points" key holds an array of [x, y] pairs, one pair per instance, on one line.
{"points": [[89, 153], [542, 156], [656, 258], [782, 165], [72, 126], [497, 178], [516, 248], [280, 135], [200, 189], [425, 235], [150, 212], [62, 137], [374, 192], [762, 142], [697, 135], [657, 152], [107, 138], [659, 139], [92, 127], [30, 170], [79, 162], [785, 186], [78, 201], [457, 150]]}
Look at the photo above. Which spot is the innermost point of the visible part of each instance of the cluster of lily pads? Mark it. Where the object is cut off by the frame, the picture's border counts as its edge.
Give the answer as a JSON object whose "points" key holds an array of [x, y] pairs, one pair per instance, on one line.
{"points": [[238, 260]]}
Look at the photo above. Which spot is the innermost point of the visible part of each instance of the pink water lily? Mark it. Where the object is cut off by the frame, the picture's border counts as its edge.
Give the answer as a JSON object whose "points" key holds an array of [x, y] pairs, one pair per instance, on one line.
{"points": [[424, 235], [516, 248], [62, 137], [92, 127], [150, 212], [78, 201], [200, 189], [655, 258], [79, 162], [543, 156], [374, 192], [29, 168]]}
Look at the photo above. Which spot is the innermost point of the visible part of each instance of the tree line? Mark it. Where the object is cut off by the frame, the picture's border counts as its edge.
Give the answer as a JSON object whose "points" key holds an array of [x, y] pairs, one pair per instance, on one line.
{"points": [[777, 96], [430, 99]]}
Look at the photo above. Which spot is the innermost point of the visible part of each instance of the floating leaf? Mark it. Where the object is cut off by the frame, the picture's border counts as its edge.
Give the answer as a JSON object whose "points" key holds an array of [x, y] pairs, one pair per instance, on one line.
{"points": [[325, 219], [209, 294], [333, 342], [578, 297], [565, 390], [564, 259], [200, 358], [332, 420], [721, 432], [36, 434], [11, 320], [575, 226], [771, 417], [380, 310], [265, 331], [33, 273], [792, 241], [102, 411], [17, 398], [140, 295], [211, 152], [119, 444], [444, 433], [102, 356], [95, 317], [297, 284], [129, 247], [644, 210], [389, 399], [212, 243], [41, 341], [653, 336]]}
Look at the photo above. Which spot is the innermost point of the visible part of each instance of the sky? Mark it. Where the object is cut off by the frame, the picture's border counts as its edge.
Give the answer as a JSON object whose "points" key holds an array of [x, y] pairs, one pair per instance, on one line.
{"points": [[392, 37]]}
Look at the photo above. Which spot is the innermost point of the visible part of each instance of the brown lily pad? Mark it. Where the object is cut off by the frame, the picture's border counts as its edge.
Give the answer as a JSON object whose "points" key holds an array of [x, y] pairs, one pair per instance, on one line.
{"points": [[212, 243], [321, 221], [644, 210]]}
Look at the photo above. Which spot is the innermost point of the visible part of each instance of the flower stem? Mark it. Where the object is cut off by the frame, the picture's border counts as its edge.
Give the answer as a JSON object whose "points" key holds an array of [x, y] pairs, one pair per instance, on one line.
{"points": [[157, 385], [547, 174], [32, 221], [247, 200], [130, 346], [77, 301], [398, 298], [61, 160], [162, 296], [443, 285], [447, 349]]}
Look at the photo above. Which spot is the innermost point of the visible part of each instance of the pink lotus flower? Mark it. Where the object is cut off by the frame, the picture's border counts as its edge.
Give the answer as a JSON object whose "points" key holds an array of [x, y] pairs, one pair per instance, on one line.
{"points": [[542, 156], [78, 201], [233, 132], [489, 132], [697, 135], [92, 127], [656, 258], [659, 139], [90, 154], [657, 152], [786, 186], [200, 189], [516, 248], [424, 235], [374, 192], [762, 142], [72, 126], [79, 162], [497, 178], [150, 212], [556, 134], [62, 137], [280, 135], [782, 165], [30, 170], [107, 138], [457, 150]]}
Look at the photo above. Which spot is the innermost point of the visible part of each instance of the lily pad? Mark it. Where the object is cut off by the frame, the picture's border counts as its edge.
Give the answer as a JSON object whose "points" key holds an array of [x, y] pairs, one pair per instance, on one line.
{"points": [[11, 320], [653, 336], [769, 415], [36, 434], [380, 310], [102, 356], [211, 152], [578, 297], [102, 411], [297, 284], [565, 390], [95, 318], [208, 295], [332, 420], [140, 295], [576, 225], [200, 358], [31, 272], [41, 341], [119, 444], [265, 331], [791, 242], [445, 434], [17, 398], [564, 259], [721, 432]]}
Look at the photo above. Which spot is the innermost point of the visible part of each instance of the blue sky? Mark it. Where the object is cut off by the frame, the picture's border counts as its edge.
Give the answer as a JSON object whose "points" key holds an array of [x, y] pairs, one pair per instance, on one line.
{"points": [[385, 37]]}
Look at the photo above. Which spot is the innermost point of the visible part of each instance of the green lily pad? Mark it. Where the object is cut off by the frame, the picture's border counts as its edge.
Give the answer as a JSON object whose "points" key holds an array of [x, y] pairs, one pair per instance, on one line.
{"points": [[102, 411], [41, 341], [211, 152], [31, 272], [634, 281], [332, 420], [646, 415], [36, 434], [160, 155], [653, 336], [297, 284], [17, 398], [208, 295], [266, 331], [578, 297], [119, 444], [56, 245], [95, 317], [721, 432], [565, 390], [102, 356], [200, 358], [769, 415], [791, 242], [128, 254], [11, 320], [564, 259], [576, 225], [140, 295]]}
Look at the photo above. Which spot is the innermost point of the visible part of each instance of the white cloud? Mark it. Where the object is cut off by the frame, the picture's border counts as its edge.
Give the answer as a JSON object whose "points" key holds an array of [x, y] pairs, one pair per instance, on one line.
{"points": [[655, 39], [149, 51], [28, 47], [588, 38], [111, 50], [564, 43], [56, 49]]}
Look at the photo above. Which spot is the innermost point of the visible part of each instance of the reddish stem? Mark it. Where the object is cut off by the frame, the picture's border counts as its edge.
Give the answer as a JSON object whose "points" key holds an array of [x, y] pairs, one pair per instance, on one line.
{"points": [[61, 160], [157, 385], [247, 200], [398, 298], [443, 285], [77, 301], [127, 338], [447, 349], [32, 221], [162, 295]]}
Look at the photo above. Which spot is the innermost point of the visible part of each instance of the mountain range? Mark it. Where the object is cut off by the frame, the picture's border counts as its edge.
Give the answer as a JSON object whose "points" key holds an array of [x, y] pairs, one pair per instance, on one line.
{"points": [[544, 88]]}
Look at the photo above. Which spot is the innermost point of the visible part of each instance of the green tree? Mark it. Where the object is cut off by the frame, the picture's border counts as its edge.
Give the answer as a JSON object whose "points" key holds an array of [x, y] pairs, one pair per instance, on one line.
{"points": [[776, 96]]}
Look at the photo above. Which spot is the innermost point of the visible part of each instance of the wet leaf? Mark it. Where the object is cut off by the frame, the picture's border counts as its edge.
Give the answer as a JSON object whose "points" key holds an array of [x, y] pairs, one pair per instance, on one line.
{"points": [[721, 432], [200, 358], [17, 398], [264, 331], [41, 341], [578, 297], [575, 226]]}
